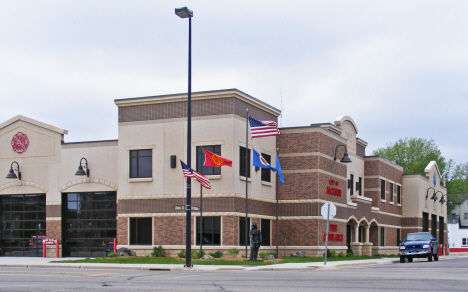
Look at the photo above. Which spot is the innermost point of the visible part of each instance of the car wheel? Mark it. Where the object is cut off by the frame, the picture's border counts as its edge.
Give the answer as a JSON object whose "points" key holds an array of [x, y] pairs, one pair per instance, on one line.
{"points": [[429, 258], [402, 259], [410, 260], [436, 257]]}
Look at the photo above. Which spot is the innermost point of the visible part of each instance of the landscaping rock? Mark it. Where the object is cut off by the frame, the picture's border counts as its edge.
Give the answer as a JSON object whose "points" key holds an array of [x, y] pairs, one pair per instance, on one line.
{"points": [[300, 254], [207, 257], [123, 251], [270, 257]]}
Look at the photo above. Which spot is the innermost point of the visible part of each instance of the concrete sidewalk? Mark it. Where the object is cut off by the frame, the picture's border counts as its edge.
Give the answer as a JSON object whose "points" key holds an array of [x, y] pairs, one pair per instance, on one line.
{"points": [[34, 262]]}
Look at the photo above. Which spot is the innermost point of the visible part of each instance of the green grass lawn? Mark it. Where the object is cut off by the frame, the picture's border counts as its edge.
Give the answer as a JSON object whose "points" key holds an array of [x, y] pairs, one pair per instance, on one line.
{"points": [[229, 261]]}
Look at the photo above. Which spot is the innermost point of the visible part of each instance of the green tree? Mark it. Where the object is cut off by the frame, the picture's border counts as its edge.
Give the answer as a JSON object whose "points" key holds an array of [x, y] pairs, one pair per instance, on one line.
{"points": [[458, 179], [457, 185], [414, 154]]}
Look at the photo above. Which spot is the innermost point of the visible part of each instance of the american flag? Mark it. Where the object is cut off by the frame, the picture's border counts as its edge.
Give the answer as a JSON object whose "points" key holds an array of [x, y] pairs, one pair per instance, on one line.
{"points": [[262, 128], [188, 172]]}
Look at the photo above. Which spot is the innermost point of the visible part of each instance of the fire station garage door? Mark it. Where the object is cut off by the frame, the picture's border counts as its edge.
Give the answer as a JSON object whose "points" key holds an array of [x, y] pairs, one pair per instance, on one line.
{"points": [[23, 225], [90, 223]]}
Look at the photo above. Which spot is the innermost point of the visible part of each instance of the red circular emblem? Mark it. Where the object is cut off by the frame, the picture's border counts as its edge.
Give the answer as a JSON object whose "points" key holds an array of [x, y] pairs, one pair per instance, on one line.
{"points": [[20, 142]]}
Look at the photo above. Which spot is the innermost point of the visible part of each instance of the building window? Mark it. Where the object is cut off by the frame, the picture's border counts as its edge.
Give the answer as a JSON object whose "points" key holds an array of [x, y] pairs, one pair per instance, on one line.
{"points": [[211, 233], [464, 241], [382, 236], [398, 194], [141, 165], [243, 162], [382, 190], [359, 190], [265, 229], [242, 232], [351, 184], [266, 172], [465, 216], [391, 192], [141, 231], [207, 170]]}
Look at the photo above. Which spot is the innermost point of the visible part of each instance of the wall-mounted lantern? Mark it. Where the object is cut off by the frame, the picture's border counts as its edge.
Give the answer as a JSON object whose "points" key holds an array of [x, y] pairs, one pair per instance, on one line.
{"points": [[80, 170], [12, 174]]}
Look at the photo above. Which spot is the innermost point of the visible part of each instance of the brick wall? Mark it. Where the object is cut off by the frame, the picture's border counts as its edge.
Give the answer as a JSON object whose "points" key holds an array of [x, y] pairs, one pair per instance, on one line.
{"points": [[54, 229], [382, 170], [341, 230], [122, 231], [170, 230], [297, 232], [230, 230]]}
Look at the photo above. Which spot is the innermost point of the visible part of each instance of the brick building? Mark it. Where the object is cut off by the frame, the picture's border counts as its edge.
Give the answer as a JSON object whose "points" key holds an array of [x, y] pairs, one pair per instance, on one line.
{"points": [[135, 187]]}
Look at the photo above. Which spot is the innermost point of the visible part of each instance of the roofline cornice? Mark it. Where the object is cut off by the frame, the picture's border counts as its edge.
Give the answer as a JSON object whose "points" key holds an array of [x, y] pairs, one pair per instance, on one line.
{"points": [[202, 95]]}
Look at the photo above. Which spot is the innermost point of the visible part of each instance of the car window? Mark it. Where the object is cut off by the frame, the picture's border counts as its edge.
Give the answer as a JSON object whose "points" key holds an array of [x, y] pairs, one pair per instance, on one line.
{"points": [[417, 237]]}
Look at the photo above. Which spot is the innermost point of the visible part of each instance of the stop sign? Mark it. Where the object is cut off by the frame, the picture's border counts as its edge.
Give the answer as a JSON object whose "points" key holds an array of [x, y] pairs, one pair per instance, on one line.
{"points": [[324, 210]]}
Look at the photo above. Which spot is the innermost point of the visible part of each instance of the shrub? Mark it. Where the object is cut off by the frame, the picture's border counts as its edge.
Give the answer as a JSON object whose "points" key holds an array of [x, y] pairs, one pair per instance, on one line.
{"points": [[181, 254], [264, 255], [341, 255], [233, 252], [196, 254], [113, 255], [330, 253], [349, 254], [217, 254], [158, 252]]}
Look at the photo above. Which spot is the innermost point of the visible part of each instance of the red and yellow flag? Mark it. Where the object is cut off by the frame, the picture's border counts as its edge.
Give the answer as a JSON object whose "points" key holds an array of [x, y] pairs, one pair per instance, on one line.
{"points": [[214, 160]]}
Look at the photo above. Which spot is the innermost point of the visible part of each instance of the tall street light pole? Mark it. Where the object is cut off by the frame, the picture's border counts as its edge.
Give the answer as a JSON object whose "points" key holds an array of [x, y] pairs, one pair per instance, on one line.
{"points": [[184, 12]]}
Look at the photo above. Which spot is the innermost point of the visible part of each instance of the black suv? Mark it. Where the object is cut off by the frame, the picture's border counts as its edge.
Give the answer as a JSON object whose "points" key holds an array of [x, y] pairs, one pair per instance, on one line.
{"points": [[419, 245]]}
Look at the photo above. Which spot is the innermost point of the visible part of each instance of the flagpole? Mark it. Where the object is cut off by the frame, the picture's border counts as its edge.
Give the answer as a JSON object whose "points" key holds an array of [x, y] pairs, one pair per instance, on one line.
{"points": [[277, 208], [201, 220], [246, 180]]}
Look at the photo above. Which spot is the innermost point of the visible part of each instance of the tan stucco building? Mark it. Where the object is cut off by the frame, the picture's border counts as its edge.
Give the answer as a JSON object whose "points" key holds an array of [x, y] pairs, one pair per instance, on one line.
{"points": [[135, 185]]}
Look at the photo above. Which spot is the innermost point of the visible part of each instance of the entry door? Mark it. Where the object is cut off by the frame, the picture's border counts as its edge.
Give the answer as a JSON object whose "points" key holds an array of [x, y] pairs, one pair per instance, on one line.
{"points": [[348, 236]]}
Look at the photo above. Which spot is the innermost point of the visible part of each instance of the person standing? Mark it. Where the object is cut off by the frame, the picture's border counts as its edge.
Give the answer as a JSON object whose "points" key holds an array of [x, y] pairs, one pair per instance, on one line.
{"points": [[255, 241]]}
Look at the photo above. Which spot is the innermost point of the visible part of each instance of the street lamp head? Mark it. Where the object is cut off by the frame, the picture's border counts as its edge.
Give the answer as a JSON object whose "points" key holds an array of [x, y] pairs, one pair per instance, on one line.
{"points": [[184, 12], [345, 158]]}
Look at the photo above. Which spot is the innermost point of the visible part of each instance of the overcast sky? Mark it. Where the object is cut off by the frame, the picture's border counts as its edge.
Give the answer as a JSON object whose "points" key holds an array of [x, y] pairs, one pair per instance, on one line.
{"points": [[398, 68]]}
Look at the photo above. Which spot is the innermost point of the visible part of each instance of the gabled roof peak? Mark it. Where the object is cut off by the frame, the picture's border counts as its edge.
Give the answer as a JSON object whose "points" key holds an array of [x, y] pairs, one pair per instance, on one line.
{"points": [[33, 122]]}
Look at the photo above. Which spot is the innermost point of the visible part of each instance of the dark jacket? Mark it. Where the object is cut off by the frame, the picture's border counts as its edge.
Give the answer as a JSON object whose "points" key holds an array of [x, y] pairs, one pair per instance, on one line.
{"points": [[255, 236]]}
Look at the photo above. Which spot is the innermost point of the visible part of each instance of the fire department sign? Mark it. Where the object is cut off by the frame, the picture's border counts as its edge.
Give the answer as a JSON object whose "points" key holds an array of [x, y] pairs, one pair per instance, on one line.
{"points": [[20, 142]]}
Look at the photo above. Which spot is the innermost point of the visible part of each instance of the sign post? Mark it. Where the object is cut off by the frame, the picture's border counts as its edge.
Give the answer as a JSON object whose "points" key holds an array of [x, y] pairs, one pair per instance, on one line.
{"points": [[47, 241], [328, 210]]}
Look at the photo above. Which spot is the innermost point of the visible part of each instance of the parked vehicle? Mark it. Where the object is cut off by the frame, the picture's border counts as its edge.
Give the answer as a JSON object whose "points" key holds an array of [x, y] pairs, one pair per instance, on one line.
{"points": [[419, 245], [36, 240]]}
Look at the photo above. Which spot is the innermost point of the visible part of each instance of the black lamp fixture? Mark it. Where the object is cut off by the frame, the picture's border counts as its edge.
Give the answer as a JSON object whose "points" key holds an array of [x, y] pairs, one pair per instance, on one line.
{"points": [[184, 12], [12, 174], [434, 196], [80, 170], [442, 200], [345, 158], [427, 193]]}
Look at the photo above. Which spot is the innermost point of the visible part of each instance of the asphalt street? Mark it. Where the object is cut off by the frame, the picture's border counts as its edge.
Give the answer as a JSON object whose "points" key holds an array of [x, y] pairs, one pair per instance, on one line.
{"points": [[444, 275]]}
